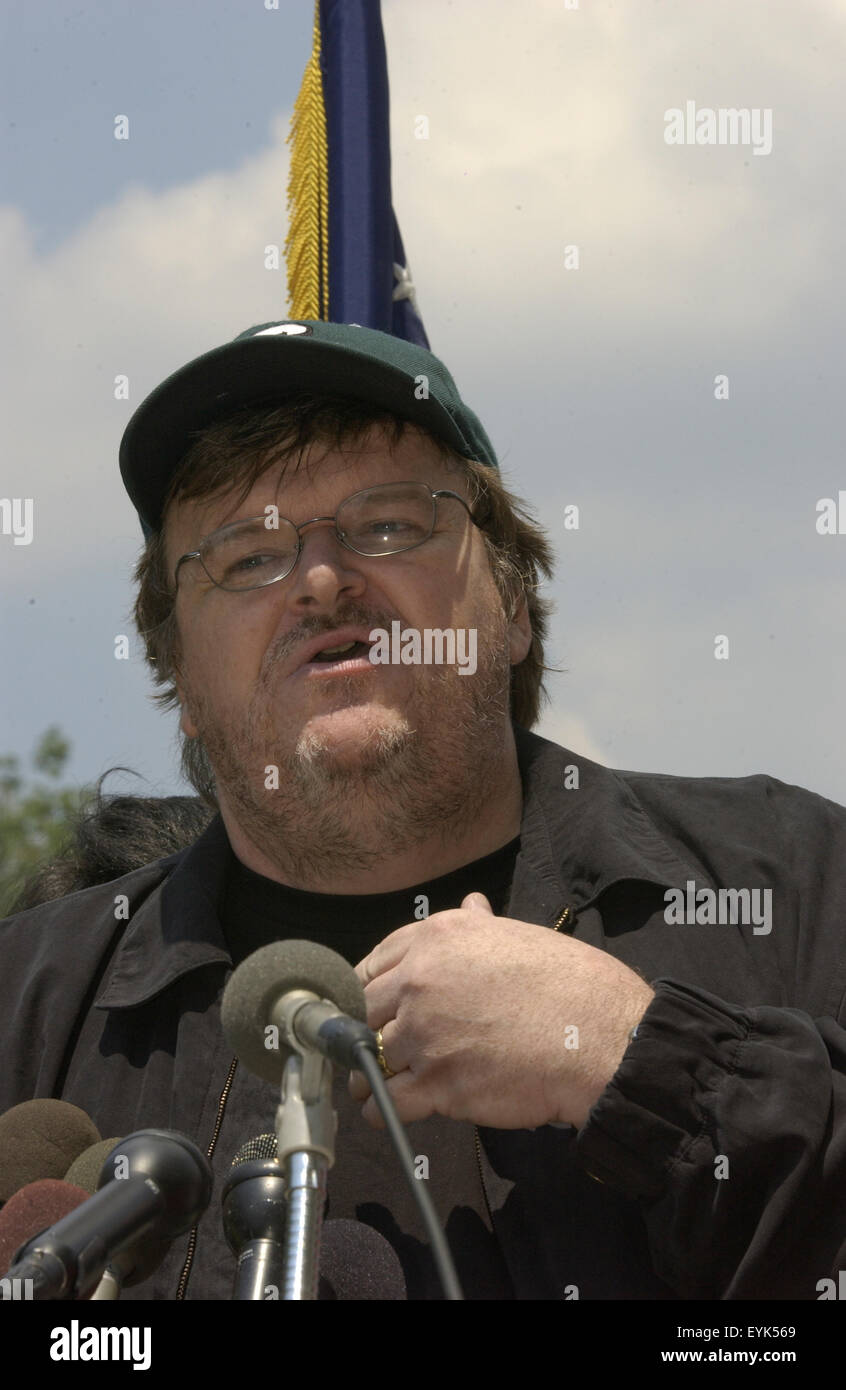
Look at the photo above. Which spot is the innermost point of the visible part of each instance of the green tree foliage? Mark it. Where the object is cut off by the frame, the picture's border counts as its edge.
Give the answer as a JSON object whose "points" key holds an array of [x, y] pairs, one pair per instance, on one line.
{"points": [[35, 812]]}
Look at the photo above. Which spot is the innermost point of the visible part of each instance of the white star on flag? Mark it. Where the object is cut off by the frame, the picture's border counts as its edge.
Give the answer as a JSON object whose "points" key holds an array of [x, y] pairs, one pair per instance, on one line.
{"points": [[404, 288]]}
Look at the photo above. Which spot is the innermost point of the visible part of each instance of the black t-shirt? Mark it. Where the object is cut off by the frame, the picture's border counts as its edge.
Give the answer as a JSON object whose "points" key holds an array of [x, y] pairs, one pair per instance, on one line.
{"points": [[256, 910], [366, 1183]]}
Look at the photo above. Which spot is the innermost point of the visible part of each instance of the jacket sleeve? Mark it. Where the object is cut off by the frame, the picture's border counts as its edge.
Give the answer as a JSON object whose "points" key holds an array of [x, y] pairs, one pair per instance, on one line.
{"points": [[729, 1127], [728, 1122]]}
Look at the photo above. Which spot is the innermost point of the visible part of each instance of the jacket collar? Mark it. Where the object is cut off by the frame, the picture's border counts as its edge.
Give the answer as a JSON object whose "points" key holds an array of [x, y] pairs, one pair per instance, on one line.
{"points": [[576, 841], [176, 928]]}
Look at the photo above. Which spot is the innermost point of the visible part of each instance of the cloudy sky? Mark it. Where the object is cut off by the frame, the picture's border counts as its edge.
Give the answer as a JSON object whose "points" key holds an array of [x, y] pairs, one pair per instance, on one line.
{"points": [[698, 515]]}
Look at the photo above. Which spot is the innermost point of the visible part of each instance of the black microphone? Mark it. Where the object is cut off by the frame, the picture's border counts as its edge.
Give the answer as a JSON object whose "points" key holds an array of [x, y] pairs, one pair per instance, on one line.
{"points": [[356, 1262], [138, 1262], [254, 1218], [157, 1185], [299, 990]]}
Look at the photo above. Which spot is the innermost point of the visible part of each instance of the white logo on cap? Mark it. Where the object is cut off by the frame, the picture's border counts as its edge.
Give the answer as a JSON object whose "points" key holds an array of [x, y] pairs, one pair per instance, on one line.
{"points": [[290, 330]]}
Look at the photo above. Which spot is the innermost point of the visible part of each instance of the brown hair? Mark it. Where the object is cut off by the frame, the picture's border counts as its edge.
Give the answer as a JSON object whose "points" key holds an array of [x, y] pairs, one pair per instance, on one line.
{"points": [[232, 454]]}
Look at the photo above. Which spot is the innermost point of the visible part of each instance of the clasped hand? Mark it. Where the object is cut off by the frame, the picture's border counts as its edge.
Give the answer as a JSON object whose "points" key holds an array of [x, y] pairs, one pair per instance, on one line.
{"points": [[504, 1023]]}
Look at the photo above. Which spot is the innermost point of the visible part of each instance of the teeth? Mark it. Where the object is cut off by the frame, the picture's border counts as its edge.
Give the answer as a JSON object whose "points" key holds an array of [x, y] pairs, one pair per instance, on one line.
{"points": [[330, 651]]}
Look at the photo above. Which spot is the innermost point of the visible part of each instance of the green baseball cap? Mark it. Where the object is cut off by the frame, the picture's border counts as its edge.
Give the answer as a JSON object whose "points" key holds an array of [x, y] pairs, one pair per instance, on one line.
{"points": [[267, 364]]}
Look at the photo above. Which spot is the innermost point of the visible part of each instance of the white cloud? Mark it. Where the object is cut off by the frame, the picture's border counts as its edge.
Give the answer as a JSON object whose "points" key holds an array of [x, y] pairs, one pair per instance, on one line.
{"points": [[546, 128], [150, 282], [571, 732]]}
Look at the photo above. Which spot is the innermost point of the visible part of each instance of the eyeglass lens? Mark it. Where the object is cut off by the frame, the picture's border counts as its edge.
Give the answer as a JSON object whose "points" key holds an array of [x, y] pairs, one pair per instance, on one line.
{"points": [[380, 521]]}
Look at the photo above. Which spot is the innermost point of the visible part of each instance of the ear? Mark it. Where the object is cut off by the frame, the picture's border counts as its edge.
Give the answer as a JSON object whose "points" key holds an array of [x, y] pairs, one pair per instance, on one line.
{"points": [[520, 633], [186, 722]]}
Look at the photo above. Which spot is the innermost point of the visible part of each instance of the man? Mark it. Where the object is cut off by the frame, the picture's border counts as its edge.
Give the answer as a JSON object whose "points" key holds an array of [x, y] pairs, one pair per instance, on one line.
{"points": [[615, 1090]]}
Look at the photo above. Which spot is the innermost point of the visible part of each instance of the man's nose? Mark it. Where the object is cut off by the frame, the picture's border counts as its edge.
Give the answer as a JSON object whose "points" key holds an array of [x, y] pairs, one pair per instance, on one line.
{"points": [[326, 569]]}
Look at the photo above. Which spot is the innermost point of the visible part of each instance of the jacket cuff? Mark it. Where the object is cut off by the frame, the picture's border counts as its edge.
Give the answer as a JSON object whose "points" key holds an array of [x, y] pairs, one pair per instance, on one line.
{"points": [[656, 1110]]}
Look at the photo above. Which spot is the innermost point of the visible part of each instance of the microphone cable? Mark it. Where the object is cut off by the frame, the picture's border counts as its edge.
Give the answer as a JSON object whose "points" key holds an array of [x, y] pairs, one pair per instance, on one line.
{"points": [[368, 1063]]}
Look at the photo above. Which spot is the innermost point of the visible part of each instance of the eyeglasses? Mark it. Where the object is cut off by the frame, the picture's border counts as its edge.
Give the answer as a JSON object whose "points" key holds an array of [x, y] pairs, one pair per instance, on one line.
{"points": [[383, 520]]}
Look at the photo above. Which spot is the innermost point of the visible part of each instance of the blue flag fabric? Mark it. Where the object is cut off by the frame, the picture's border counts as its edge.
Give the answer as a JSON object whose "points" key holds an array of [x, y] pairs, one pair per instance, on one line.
{"points": [[368, 277]]}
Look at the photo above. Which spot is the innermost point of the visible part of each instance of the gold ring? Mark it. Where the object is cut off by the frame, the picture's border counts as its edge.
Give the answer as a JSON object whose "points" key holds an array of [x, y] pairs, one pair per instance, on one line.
{"points": [[380, 1053]]}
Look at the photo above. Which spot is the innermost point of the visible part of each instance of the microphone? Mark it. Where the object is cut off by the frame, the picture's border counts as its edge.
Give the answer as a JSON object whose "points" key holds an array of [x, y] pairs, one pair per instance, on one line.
{"points": [[36, 1206], [277, 1000], [254, 1201], [288, 1011], [41, 1139], [356, 1262], [160, 1186], [285, 1009], [86, 1169], [133, 1266]]}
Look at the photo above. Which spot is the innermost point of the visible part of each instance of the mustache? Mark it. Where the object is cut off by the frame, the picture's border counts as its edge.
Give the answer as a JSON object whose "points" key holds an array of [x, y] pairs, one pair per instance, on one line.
{"points": [[351, 615]]}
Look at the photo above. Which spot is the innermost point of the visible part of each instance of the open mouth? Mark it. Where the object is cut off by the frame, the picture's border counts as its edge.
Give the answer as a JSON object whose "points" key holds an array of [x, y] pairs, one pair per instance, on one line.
{"points": [[347, 651]]}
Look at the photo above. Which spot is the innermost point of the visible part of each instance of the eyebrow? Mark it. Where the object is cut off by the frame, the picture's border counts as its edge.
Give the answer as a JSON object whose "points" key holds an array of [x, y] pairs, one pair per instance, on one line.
{"points": [[259, 526]]}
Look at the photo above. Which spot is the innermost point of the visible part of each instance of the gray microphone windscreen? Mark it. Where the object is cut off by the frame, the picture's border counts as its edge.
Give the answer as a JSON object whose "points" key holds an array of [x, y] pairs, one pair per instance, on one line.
{"points": [[263, 978], [41, 1139]]}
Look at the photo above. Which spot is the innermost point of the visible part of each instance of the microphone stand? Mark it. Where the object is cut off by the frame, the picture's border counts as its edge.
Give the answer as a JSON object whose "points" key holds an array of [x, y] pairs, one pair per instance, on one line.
{"points": [[305, 1134], [108, 1287]]}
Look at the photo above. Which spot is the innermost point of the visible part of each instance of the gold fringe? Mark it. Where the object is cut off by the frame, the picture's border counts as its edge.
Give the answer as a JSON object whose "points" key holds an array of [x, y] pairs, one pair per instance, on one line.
{"points": [[307, 242]]}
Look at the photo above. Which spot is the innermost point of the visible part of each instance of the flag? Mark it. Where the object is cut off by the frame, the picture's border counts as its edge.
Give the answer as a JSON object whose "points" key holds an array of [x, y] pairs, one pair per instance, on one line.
{"points": [[344, 252]]}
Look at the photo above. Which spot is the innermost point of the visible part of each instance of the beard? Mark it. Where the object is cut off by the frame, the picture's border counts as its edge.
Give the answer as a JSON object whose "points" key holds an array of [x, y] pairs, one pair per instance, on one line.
{"points": [[423, 774]]}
